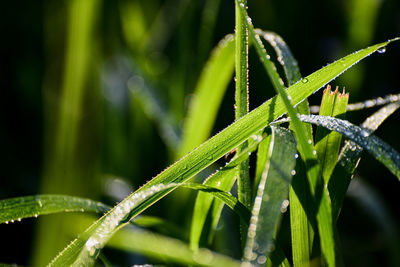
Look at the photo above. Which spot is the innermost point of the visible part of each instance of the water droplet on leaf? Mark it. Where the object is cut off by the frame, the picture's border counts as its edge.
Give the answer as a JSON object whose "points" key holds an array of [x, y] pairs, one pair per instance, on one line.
{"points": [[381, 50]]}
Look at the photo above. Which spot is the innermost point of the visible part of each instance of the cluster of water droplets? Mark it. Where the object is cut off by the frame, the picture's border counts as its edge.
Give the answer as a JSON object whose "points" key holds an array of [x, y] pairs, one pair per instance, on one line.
{"points": [[117, 215]]}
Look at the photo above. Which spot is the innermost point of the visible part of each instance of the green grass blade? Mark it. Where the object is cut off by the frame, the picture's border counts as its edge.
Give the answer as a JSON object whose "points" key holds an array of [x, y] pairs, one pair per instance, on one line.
{"points": [[167, 249], [307, 152], [224, 180], [242, 103], [374, 145], [15, 209], [370, 103], [100, 233], [327, 142], [284, 56], [229, 138], [271, 199], [350, 156], [301, 231], [209, 92]]}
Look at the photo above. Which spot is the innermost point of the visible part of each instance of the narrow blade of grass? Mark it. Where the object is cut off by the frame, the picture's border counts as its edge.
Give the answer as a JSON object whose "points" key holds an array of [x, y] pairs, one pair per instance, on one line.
{"points": [[379, 149], [224, 180], [222, 143], [328, 142], [242, 103], [306, 149], [271, 199], [350, 156], [162, 248], [15, 209], [209, 92], [301, 231]]}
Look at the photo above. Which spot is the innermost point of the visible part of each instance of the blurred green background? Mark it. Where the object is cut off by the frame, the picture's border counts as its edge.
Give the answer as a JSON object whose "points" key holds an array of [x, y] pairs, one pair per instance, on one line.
{"points": [[95, 92]]}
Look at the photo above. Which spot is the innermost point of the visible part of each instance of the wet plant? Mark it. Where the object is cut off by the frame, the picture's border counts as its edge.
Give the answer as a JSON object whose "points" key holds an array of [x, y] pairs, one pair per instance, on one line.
{"points": [[300, 173]]}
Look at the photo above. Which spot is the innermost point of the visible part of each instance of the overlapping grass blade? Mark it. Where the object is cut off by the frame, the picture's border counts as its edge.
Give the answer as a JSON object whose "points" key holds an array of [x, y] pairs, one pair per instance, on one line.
{"points": [[306, 149], [159, 247], [381, 151], [350, 156], [328, 142], [18, 208], [209, 92], [223, 180], [301, 231], [271, 199], [99, 236], [223, 142]]}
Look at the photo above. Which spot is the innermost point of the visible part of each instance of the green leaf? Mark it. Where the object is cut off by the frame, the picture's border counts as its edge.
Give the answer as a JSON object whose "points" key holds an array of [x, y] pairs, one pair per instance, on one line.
{"points": [[307, 152], [271, 199], [374, 145], [15, 209], [350, 156], [328, 142], [167, 249], [214, 148], [223, 180], [301, 231], [209, 92]]}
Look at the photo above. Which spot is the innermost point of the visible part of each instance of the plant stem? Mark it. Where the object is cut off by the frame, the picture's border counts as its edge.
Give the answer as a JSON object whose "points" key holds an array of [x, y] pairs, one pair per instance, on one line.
{"points": [[242, 104]]}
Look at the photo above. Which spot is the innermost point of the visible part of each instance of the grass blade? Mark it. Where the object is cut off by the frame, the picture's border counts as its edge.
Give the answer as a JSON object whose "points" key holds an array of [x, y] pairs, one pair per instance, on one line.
{"points": [[374, 145], [226, 140], [210, 89], [306, 149], [328, 143], [301, 231], [161, 248], [15, 209], [271, 200], [242, 103], [223, 180], [350, 156]]}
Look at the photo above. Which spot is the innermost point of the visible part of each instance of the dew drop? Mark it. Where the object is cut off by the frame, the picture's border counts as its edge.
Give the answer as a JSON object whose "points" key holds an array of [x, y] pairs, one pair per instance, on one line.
{"points": [[210, 157], [314, 152], [6, 222], [296, 155], [305, 80], [36, 215], [12, 221], [309, 141], [381, 50], [235, 106], [293, 172], [241, 5], [184, 167], [19, 219], [289, 97]]}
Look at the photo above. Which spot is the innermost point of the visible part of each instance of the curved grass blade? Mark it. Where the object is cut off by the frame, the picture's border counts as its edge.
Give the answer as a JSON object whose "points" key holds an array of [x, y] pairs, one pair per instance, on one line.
{"points": [[284, 55], [223, 179], [105, 227], [167, 249], [350, 156], [209, 92], [319, 192], [302, 234], [15, 209], [271, 200], [374, 145], [159, 247], [226, 140]]}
